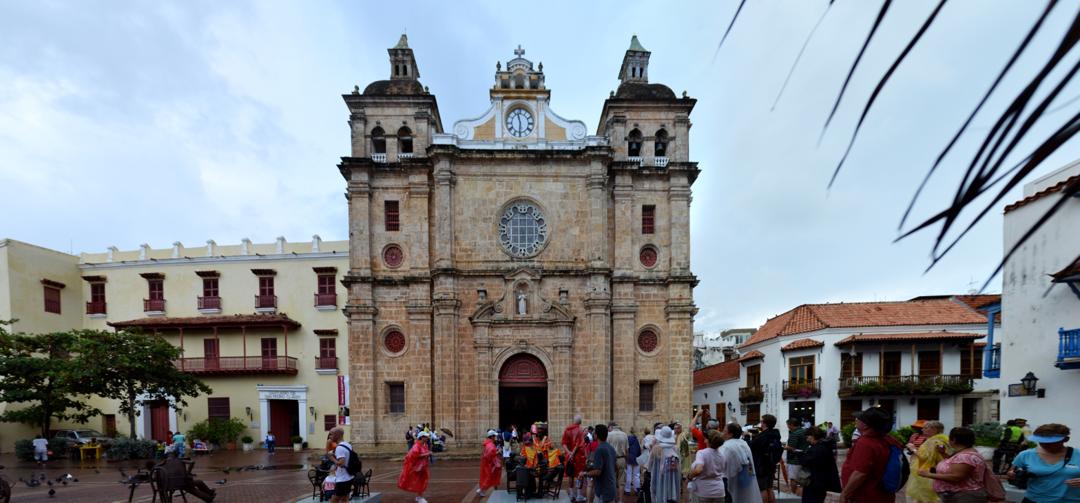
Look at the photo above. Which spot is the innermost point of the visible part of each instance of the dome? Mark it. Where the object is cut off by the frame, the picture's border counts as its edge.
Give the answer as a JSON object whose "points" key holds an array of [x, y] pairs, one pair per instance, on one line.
{"points": [[396, 87], [643, 91]]}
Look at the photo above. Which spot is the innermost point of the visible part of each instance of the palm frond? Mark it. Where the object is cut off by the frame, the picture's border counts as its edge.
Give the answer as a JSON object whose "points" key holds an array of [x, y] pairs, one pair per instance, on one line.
{"points": [[855, 64], [728, 30], [798, 57]]}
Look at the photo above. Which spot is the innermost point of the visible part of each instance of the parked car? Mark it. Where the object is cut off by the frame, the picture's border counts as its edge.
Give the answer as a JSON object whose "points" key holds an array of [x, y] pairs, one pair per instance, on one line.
{"points": [[82, 436]]}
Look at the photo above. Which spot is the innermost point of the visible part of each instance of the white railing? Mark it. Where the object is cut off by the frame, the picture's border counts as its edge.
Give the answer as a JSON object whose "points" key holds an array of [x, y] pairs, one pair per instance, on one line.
{"points": [[660, 162], [636, 158], [378, 158], [408, 155]]}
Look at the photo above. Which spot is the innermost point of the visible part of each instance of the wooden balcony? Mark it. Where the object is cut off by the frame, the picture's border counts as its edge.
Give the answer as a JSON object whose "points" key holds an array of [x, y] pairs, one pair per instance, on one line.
{"points": [[802, 389], [326, 300], [1068, 349], [97, 307], [266, 302], [326, 362], [209, 303], [751, 394], [153, 305], [905, 385], [238, 365]]}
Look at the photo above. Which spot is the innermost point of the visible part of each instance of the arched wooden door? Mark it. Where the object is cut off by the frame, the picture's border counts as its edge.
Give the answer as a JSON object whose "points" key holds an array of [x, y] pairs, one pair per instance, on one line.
{"points": [[523, 397]]}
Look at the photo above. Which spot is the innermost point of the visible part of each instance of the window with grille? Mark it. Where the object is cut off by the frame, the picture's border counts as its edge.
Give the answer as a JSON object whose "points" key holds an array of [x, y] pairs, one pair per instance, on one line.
{"points": [[326, 284], [327, 348], [850, 365], [156, 289], [210, 287], [801, 369], [396, 401], [52, 299], [645, 396], [392, 216], [929, 363], [329, 422], [648, 219], [217, 408], [266, 285]]}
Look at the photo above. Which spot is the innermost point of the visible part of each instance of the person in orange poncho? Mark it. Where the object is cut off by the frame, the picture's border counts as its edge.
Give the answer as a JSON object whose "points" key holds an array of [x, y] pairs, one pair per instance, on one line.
{"points": [[490, 464], [415, 471]]}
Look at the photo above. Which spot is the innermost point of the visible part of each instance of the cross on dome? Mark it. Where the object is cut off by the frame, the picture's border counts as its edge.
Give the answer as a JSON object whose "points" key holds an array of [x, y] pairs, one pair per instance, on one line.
{"points": [[519, 52]]}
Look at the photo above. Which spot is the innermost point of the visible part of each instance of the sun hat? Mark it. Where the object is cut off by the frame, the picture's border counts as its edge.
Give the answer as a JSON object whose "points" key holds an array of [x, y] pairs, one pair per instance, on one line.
{"points": [[919, 424], [1046, 439], [423, 434], [492, 433], [665, 437]]}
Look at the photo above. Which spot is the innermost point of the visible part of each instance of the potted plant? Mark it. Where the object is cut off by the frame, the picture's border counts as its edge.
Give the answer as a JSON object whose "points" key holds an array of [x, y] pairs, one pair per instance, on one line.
{"points": [[248, 443], [226, 431], [297, 443]]}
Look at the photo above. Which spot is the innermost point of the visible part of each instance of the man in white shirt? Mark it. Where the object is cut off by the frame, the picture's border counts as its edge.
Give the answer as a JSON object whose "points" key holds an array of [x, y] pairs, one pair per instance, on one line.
{"points": [[343, 481], [41, 449]]}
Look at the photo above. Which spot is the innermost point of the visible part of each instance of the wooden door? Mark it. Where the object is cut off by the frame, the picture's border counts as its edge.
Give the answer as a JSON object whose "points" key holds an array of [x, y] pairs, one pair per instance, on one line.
{"points": [[721, 414], [159, 420], [284, 420], [211, 354], [109, 425], [269, 353]]}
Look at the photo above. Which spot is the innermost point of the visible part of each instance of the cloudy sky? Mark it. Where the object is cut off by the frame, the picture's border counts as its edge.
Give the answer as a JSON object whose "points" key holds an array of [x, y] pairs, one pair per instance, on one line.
{"points": [[130, 122]]}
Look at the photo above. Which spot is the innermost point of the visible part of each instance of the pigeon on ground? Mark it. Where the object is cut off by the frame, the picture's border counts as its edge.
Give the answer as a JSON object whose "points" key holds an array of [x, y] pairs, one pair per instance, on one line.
{"points": [[49, 482], [52, 492], [64, 482], [222, 482]]}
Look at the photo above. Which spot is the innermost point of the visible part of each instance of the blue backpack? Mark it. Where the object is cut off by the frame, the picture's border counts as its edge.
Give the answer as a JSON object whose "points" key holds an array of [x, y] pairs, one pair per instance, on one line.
{"points": [[897, 470]]}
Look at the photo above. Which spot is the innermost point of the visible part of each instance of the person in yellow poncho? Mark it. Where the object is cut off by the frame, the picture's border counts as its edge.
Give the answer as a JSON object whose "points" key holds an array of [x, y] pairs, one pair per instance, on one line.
{"points": [[920, 489]]}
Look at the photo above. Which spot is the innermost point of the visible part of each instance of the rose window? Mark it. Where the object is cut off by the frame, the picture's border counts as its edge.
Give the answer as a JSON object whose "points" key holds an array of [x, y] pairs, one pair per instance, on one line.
{"points": [[393, 256], [522, 229], [648, 341], [394, 341], [647, 256]]}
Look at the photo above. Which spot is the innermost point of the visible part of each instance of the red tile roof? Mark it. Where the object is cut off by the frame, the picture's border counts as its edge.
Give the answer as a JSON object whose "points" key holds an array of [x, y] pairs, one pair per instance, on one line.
{"points": [[724, 371], [910, 337], [1053, 189], [236, 321], [755, 354], [802, 344], [810, 317], [979, 302]]}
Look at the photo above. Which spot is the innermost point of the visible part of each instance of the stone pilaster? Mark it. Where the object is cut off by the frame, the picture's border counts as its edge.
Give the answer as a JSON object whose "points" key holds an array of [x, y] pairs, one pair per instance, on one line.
{"points": [[446, 380], [595, 397], [360, 223], [679, 202], [623, 329], [444, 214], [680, 320], [365, 398]]}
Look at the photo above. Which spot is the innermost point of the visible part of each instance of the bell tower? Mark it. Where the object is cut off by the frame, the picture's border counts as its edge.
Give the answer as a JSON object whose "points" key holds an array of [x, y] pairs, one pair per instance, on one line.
{"points": [[635, 64], [402, 61]]}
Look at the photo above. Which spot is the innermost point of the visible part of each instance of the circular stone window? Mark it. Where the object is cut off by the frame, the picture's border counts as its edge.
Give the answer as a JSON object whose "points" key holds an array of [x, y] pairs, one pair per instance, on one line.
{"points": [[394, 341], [647, 256], [647, 340], [523, 229], [393, 256]]}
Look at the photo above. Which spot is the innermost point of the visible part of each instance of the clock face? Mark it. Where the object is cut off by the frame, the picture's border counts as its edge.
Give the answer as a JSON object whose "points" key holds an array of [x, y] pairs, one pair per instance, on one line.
{"points": [[519, 123]]}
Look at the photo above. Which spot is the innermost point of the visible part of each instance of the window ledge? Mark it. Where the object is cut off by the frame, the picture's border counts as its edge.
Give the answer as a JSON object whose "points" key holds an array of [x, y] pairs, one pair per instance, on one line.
{"points": [[265, 309], [327, 372], [154, 313], [326, 308], [210, 311], [97, 316]]}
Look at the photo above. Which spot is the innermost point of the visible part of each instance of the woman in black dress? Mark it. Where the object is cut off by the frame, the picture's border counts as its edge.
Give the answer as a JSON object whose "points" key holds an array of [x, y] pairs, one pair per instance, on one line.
{"points": [[820, 461]]}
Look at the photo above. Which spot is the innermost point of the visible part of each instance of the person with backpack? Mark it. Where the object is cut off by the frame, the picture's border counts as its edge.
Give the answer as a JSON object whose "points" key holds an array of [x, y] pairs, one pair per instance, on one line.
{"points": [[961, 476], [415, 471], [633, 471], [819, 465], [875, 467], [665, 468], [739, 466], [1051, 471], [346, 466], [767, 449]]}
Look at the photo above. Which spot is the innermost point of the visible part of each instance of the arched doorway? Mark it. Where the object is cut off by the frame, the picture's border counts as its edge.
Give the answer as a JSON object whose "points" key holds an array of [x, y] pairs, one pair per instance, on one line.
{"points": [[523, 396]]}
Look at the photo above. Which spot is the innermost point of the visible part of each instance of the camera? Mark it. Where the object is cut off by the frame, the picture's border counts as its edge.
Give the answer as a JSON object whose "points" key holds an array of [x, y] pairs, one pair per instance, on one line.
{"points": [[1020, 478]]}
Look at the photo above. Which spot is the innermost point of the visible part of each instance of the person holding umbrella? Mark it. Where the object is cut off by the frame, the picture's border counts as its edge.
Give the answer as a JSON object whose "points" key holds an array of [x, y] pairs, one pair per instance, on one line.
{"points": [[415, 471]]}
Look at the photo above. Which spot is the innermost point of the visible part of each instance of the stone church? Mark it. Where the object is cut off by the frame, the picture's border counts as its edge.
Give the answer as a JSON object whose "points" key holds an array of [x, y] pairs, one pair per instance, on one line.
{"points": [[517, 268]]}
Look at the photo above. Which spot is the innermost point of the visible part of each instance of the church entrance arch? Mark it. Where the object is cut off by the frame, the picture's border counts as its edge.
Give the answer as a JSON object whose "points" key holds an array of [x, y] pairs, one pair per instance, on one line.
{"points": [[523, 393]]}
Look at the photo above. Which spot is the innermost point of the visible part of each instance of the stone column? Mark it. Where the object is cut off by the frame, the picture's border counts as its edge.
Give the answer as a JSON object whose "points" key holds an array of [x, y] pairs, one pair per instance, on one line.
{"points": [[598, 213], [444, 214], [623, 193], [680, 321], [486, 376], [624, 333], [560, 408], [595, 369], [679, 202], [418, 396], [359, 196], [358, 126], [444, 388], [365, 400]]}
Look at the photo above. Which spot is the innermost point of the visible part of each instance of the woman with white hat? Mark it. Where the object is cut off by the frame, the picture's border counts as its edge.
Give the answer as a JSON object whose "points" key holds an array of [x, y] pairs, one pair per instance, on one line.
{"points": [[490, 464], [415, 471], [665, 468]]}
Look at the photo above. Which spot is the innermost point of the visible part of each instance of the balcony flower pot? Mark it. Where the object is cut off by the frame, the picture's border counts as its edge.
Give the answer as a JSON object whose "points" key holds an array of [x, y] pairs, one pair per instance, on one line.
{"points": [[230, 446], [297, 443]]}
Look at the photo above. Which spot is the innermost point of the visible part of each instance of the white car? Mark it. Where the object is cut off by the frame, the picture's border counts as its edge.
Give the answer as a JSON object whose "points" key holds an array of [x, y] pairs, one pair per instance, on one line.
{"points": [[79, 436]]}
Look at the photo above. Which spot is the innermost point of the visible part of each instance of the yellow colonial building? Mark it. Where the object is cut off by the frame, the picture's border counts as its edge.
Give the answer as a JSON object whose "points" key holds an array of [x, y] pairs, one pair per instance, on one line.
{"points": [[261, 324]]}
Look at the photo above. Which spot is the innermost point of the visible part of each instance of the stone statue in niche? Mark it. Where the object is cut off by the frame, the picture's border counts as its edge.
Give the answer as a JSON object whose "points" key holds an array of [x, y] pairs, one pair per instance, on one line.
{"points": [[521, 304]]}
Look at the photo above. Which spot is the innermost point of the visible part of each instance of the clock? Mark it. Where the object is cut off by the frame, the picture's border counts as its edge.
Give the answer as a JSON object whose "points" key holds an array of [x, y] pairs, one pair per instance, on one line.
{"points": [[519, 123]]}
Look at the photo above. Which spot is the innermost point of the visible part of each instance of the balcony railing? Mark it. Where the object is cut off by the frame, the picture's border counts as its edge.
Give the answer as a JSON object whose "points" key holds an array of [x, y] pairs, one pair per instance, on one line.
{"points": [[905, 385], [209, 303], [223, 365], [265, 301], [660, 162], [993, 368], [751, 394], [802, 389], [153, 305], [326, 362], [405, 155], [1068, 349], [325, 299], [95, 307], [636, 159], [378, 158]]}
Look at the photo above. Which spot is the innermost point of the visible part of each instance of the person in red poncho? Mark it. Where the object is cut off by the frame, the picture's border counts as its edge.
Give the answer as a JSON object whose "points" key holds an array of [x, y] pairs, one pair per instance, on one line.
{"points": [[415, 471], [574, 447], [490, 464]]}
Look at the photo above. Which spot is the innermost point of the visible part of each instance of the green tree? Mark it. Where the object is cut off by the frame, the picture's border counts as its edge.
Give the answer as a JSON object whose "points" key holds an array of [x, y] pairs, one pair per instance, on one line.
{"points": [[134, 368], [38, 371]]}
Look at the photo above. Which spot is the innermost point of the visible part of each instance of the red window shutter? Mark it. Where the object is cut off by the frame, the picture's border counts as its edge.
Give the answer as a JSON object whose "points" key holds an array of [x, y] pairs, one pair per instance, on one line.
{"points": [[210, 349], [210, 287], [52, 299], [266, 285], [326, 284], [397, 397], [269, 347], [392, 215], [97, 292], [648, 219], [327, 348], [217, 408], [329, 422], [156, 289]]}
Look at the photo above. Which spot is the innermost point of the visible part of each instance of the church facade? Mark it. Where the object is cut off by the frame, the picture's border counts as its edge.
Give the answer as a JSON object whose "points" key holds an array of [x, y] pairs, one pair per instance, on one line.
{"points": [[517, 268]]}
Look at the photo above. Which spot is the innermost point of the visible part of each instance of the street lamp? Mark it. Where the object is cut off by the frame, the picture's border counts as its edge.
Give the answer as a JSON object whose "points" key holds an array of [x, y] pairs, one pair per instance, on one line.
{"points": [[1029, 381]]}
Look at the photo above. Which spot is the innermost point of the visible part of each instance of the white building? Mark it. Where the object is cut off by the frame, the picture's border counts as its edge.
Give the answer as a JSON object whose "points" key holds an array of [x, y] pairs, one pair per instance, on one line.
{"points": [[918, 359], [711, 348], [716, 389], [1041, 304]]}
